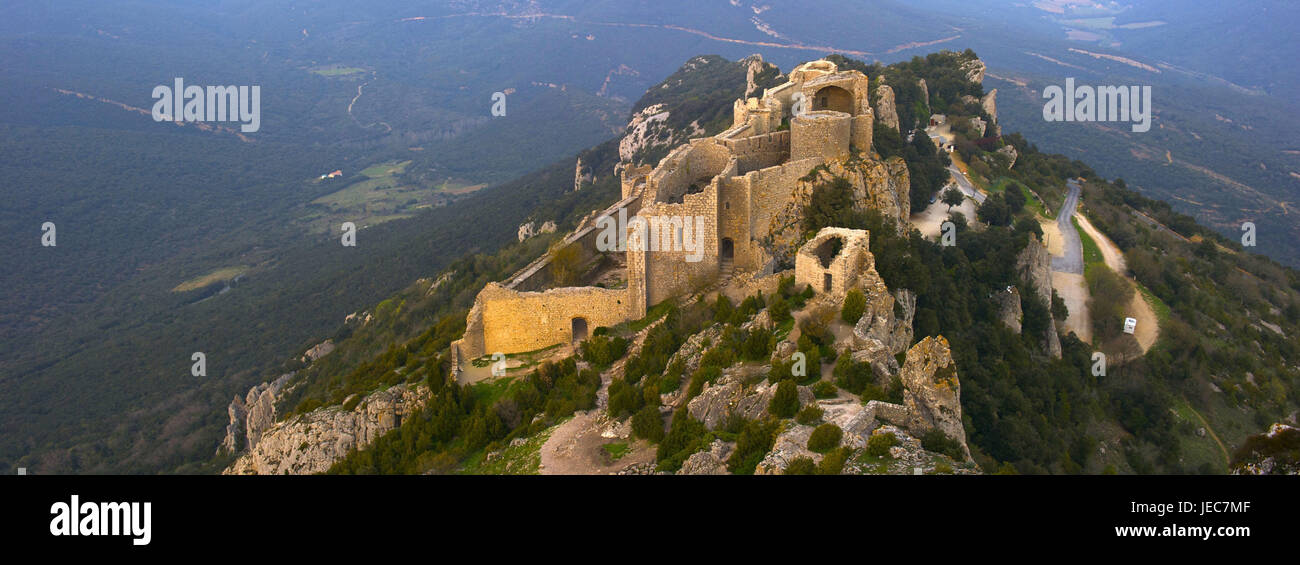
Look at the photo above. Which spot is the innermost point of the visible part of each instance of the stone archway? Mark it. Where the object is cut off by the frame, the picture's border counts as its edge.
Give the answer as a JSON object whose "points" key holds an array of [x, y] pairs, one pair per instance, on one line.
{"points": [[578, 329], [833, 98], [728, 251]]}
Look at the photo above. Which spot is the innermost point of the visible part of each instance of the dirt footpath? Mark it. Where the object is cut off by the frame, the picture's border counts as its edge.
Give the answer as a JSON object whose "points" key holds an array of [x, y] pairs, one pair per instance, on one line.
{"points": [[1073, 289]]}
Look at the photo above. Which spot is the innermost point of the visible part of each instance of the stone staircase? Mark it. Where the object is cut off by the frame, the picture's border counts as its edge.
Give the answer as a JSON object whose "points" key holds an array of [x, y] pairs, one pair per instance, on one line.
{"points": [[726, 269]]}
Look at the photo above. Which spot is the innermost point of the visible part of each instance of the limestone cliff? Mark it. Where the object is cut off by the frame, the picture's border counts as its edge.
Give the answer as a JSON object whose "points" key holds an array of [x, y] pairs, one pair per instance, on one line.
{"points": [[648, 130], [1034, 265], [886, 112], [932, 393], [312, 442], [974, 69], [877, 185], [581, 176], [885, 328], [1009, 310], [252, 414], [990, 104]]}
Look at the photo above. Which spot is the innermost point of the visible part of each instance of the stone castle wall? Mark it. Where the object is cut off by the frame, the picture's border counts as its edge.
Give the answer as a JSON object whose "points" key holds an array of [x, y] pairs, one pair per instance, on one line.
{"points": [[516, 321], [670, 272], [821, 134], [757, 200], [737, 183]]}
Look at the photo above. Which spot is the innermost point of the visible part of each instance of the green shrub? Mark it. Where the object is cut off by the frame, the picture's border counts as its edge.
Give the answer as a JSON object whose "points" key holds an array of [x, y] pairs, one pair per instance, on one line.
{"points": [[833, 462], [800, 466], [753, 442], [778, 309], [852, 376], [935, 440], [785, 401], [878, 444], [854, 305], [647, 424], [601, 350], [825, 438], [825, 389], [624, 398], [686, 435], [757, 345], [810, 415]]}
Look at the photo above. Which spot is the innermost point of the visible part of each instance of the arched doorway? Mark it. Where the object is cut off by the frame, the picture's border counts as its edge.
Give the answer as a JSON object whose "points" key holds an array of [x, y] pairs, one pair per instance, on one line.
{"points": [[579, 329], [728, 249], [833, 98]]}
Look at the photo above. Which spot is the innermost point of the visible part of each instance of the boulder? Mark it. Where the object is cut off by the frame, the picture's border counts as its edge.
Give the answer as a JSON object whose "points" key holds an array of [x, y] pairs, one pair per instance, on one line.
{"points": [[885, 109], [1009, 310], [932, 392]]}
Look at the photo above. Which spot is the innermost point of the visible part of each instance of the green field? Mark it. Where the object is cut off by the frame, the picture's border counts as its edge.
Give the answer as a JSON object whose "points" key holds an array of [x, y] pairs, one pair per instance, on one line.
{"points": [[383, 196], [219, 275]]}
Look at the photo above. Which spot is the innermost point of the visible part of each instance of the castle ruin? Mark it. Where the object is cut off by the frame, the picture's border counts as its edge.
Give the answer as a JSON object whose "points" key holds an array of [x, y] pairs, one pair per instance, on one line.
{"points": [[732, 187]]}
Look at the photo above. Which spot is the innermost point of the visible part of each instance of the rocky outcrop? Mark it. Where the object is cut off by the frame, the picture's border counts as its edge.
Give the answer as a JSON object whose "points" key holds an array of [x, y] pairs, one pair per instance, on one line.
{"points": [[649, 130], [581, 176], [904, 313], [877, 185], [312, 442], [1009, 310], [1034, 265], [885, 110], [319, 350], [710, 462], [728, 395], [990, 104], [974, 69], [925, 92], [530, 229], [252, 415], [1011, 153], [931, 390], [790, 444], [1275, 452], [754, 65]]}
